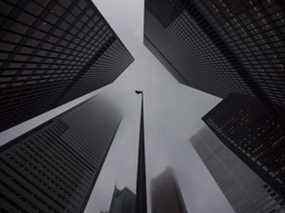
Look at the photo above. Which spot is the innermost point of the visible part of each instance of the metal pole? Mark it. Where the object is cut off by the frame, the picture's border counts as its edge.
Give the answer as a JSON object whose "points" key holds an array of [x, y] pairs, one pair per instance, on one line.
{"points": [[141, 200]]}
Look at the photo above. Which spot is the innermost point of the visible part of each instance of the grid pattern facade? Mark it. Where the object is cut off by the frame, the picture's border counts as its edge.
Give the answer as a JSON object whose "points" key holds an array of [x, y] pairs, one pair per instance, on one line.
{"points": [[102, 72], [243, 39], [246, 191], [46, 48], [186, 29], [54, 167], [253, 134], [253, 31]]}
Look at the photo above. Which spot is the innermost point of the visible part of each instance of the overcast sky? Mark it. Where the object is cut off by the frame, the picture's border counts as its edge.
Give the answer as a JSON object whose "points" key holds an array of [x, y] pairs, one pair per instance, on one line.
{"points": [[172, 115]]}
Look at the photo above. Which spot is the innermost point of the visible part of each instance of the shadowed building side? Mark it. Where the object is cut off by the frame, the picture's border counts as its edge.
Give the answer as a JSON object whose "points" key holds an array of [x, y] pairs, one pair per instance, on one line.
{"points": [[52, 52], [54, 167], [245, 190], [221, 47], [254, 135], [174, 35]]}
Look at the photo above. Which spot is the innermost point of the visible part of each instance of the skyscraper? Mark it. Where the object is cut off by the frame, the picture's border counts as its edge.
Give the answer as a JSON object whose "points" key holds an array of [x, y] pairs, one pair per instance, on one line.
{"points": [[54, 167], [166, 196], [221, 47], [123, 201], [244, 189], [52, 52], [244, 125]]}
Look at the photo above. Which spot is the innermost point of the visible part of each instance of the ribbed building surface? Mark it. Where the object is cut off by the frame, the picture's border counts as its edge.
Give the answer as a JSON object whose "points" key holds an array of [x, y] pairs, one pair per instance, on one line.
{"points": [[54, 167], [245, 190], [253, 31], [52, 52], [253, 134], [222, 46]]}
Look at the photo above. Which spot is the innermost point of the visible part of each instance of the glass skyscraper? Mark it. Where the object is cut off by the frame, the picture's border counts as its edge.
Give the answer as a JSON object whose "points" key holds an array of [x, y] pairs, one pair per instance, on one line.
{"points": [[54, 167], [222, 47], [244, 189], [52, 52], [253, 134]]}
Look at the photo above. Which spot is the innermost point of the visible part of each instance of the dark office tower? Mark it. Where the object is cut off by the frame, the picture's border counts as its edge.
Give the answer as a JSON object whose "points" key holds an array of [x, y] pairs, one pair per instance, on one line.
{"points": [[173, 35], [244, 189], [51, 52], [253, 134], [221, 46], [54, 167], [165, 194], [123, 201]]}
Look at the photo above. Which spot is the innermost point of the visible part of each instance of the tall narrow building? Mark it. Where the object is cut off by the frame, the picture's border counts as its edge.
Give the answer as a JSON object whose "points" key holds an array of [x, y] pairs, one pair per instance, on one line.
{"points": [[221, 47], [123, 201], [52, 52], [253, 134], [244, 189], [166, 196], [54, 167]]}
